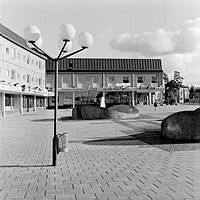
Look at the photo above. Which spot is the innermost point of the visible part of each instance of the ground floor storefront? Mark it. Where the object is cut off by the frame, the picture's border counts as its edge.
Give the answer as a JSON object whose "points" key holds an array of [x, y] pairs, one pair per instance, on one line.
{"points": [[71, 98], [19, 102]]}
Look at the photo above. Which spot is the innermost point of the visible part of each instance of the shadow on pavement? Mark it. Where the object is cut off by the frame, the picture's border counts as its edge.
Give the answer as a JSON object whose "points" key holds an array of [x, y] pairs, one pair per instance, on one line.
{"points": [[26, 166], [51, 119], [146, 139]]}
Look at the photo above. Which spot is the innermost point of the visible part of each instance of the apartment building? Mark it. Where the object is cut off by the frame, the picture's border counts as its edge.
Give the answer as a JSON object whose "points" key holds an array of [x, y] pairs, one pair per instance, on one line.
{"points": [[22, 74], [118, 81]]}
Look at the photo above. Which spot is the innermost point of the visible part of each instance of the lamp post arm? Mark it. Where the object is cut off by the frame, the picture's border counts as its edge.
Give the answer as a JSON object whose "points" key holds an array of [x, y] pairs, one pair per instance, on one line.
{"points": [[75, 52], [65, 42], [40, 50]]}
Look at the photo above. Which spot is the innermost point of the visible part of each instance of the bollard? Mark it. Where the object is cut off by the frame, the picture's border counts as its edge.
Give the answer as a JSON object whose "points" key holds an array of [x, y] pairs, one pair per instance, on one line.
{"points": [[63, 142]]}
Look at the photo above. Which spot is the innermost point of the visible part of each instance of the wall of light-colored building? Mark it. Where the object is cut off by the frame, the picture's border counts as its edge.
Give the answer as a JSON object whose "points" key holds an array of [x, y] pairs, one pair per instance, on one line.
{"points": [[183, 94], [17, 65], [19, 68]]}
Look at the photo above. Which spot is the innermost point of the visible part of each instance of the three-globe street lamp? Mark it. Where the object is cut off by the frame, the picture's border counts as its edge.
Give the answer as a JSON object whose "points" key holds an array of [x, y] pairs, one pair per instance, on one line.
{"points": [[67, 32]]}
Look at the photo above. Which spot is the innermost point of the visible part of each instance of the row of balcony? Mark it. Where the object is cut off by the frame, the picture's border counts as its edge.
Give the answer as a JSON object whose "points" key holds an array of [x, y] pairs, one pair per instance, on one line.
{"points": [[109, 85], [18, 88]]}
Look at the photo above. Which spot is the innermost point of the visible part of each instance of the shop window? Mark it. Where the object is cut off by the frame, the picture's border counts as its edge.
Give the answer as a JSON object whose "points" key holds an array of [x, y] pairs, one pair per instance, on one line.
{"points": [[111, 79], [126, 79], [154, 79], [8, 100], [140, 79]]}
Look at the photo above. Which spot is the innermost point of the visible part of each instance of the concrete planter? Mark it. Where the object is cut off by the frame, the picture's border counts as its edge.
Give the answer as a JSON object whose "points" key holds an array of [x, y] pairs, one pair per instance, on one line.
{"points": [[90, 112], [95, 112]]}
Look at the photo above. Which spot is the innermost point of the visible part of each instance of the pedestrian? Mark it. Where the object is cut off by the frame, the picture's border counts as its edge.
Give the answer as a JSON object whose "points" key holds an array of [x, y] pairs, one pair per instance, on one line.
{"points": [[155, 105]]}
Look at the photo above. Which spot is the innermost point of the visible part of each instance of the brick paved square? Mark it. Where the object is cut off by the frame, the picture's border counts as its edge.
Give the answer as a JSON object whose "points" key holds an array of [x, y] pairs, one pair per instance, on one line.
{"points": [[107, 159]]}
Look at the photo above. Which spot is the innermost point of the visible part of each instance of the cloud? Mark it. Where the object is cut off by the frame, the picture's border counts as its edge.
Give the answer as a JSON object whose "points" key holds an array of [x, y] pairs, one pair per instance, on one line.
{"points": [[148, 43], [160, 42], [179, 49]]}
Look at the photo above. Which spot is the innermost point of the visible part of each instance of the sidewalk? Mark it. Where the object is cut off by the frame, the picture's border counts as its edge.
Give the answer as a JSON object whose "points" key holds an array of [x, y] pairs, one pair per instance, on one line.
{"points": [[107, 159]]}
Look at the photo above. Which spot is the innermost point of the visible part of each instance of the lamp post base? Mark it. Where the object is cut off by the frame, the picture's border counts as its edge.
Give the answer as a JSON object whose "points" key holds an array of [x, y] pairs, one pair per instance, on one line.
{"points": [[55, 150]]}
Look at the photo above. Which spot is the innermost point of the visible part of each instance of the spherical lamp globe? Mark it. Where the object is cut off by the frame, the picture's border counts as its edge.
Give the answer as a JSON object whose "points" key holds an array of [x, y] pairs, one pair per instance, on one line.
{"points": [[38, 43], [32, 33], [67, 32], [85, 39]]}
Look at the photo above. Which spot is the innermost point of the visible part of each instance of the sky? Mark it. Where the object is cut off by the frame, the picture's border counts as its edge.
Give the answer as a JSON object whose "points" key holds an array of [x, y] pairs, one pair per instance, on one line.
{"points": [[165, 29]]}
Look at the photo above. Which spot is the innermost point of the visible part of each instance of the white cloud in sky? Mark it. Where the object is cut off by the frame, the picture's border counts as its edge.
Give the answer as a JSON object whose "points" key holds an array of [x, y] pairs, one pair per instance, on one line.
{"points": [[183, 40], [179, 49], [148, 43]]}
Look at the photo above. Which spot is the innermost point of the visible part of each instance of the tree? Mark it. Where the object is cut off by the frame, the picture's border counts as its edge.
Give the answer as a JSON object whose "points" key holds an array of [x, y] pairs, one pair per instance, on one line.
{"points": [[172, 92]]}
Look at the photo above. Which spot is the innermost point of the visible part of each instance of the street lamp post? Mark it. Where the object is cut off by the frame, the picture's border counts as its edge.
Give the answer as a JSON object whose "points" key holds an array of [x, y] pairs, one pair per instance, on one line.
{"points": [[33, 37]]}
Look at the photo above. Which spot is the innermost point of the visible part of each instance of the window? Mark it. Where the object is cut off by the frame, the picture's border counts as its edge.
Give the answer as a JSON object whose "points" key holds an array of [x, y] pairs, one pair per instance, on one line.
{"points": [[1, 47], [28, 61], [154, 79], [140, 79], [36, 63], [28, 78], [13, 53], [40, 65], [18, 75], [40, 81], [24, 57], [7, 50], [18, 55], [125, 79], [32, 62], [32, 79], [7, 73], [111, 79], [24, 77], [13, 73]]}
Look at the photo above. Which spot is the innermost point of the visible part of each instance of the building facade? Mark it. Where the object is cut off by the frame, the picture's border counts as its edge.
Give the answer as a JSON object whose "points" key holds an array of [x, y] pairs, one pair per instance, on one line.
{"points": [[22, 74], [184, 94], [116, 81]]}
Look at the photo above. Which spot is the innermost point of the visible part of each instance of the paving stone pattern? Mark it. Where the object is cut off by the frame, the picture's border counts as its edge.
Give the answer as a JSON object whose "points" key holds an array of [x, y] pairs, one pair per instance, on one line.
{"points": [[107, 159]]}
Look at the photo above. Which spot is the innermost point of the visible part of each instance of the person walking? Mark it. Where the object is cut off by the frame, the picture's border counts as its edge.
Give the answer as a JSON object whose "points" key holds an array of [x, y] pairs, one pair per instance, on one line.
{"points": [[155, 105]]}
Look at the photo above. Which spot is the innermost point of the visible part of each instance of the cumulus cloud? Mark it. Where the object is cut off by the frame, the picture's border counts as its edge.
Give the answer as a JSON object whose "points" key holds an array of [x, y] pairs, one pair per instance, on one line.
{"points": [[183, 40], [179, 49]]}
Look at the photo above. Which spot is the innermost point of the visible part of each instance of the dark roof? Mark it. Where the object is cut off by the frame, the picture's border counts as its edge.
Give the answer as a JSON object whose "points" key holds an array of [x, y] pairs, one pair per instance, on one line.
{"points": [[17, 39], [106, 64]]}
